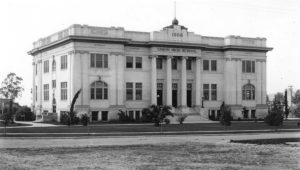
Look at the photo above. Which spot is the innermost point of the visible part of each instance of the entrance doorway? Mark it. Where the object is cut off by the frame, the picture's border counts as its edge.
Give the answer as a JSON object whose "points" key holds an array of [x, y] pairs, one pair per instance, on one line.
{"points": [[253, 114], [94, 115], [104, 115], [189, 95], [174, 94], [159, 94]]}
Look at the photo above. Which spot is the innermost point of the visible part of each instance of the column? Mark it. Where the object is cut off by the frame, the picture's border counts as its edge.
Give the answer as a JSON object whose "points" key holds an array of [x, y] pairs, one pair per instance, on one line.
{"points": [[40, 85], [198, 81], [238, 82], [33, 87], [120, 80], [183, 81], [264, 82], [153, 80], [258, 82], [169, 81]]}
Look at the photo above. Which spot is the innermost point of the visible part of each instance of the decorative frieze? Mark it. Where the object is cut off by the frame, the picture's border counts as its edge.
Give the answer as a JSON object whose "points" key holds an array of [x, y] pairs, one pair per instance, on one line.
{"points": [[116, 53]]}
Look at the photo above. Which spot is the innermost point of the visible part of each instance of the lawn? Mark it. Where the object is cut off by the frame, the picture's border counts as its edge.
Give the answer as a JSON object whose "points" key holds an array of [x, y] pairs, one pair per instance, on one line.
{"points": [[161, 156], [105, 128]]}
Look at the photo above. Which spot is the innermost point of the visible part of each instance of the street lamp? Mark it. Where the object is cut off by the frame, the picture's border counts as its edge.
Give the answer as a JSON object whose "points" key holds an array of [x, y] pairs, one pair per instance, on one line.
{"points": [[202, 102]]}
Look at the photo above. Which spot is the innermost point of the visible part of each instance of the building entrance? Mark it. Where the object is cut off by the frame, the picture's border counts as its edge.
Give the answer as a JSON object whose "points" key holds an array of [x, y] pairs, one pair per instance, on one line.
{"points": [[159, 94], [104, 115], [174, 95], [189, 95]]}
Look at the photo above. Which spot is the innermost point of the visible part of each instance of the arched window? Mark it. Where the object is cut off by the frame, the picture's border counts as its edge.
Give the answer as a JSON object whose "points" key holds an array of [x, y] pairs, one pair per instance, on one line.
{"points": [[248, 92], [53, 65], [99, 90]]}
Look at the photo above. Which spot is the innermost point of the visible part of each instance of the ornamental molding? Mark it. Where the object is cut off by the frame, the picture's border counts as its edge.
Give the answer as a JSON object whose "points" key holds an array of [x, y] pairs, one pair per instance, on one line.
{"points": [[116, 53], [261, 60]]}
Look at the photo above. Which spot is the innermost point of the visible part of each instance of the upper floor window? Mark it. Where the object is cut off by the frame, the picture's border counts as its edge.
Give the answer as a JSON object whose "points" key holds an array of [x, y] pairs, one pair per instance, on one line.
{"points": [[189, 64], [63, 62], [174, 63], [248, 92], [99, 60], [206, 91], [159, 63], [213, 91], [134, 88], [248, 66], [129, 62], [213, 65], [99, 90], [138, 91], [206, 65], [53, 83], [63, 90], [129, 91], [46, 92], [46, 66], [53, 65], [138, 62]]}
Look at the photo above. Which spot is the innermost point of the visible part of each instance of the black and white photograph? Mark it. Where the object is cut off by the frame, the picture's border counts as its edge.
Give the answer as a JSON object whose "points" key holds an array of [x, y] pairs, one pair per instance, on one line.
{"points": [[150, 84]]}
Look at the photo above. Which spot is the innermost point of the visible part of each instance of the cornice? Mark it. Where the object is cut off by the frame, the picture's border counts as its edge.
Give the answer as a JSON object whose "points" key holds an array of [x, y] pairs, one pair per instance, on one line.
{"points": [[129, 42]]}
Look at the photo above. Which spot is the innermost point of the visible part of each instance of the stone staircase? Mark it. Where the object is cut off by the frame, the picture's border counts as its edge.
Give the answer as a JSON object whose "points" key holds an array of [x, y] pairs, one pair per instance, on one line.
{"points": [[194, 115]]}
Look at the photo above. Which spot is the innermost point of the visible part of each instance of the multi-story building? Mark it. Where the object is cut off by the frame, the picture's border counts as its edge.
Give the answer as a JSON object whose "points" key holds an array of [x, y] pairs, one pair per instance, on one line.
{"points": [[118, 69]]}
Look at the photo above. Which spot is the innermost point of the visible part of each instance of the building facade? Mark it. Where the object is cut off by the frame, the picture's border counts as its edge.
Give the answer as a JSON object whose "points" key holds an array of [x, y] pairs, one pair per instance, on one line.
{"points": [[118, 69]]}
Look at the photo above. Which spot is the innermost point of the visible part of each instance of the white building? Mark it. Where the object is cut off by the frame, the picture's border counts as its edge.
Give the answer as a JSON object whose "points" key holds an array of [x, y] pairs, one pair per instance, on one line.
{"points": [[118, 69]]}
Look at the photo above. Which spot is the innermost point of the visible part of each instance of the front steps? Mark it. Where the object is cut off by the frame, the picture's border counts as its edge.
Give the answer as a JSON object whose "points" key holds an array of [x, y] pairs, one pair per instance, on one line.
{"points": [[194, 115]]}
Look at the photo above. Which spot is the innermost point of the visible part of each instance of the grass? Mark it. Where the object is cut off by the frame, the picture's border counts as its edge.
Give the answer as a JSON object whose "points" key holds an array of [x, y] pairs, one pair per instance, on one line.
{"points": [[150, 128], [161, 156]]}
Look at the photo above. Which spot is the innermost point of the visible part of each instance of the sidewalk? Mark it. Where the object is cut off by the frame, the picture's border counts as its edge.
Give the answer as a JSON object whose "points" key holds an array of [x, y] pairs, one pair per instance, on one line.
{"points": [[45, 142]]}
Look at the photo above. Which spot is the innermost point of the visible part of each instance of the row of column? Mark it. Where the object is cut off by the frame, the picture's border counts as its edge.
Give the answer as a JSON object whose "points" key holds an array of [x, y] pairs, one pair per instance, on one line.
{"points": [[169, 81]]}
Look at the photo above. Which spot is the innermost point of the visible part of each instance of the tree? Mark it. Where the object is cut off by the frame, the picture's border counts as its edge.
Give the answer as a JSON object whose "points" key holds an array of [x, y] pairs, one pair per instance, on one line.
{"points": [[226, 118], [11, 89], [156, 113], [286, 110], [72, 115], [275, 116], [279, 97]]}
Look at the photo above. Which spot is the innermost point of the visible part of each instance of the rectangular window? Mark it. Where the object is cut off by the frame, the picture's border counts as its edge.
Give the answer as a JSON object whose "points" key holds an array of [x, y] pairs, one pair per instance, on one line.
{"points": [[138, 62], [174, 63], [189, 64], [159, 63], [129, 62], [35, 93], [137, 115], [53, 83], [46, 92], [248, 66], [99, 60], [213, 91], [213, 65], [130, 114], [53, 66], [46, 66], [129, 91], [138, 91], [63, 91], [36, 68], [206, 65], [63, 62], [206, 91]]}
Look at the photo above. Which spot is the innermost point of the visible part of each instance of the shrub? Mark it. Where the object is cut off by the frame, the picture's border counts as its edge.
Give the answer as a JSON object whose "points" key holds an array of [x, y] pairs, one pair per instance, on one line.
{"points": [[124, 118], [65, 119], [25, 114], [226, 117], [167, 121], [84, 119], [156, 114], [180, 119], [275, 116]]}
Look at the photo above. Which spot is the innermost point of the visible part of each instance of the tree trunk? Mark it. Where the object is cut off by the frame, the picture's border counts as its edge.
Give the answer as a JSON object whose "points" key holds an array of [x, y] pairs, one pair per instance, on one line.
{"points": [[11, 110]]}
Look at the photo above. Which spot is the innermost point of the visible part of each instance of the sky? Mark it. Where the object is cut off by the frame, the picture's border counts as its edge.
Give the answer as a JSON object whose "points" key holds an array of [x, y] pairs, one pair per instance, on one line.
{"points": [[23, 22]]}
